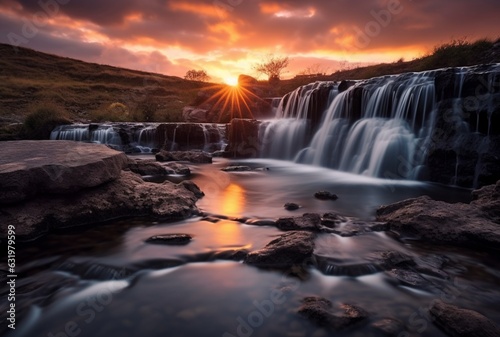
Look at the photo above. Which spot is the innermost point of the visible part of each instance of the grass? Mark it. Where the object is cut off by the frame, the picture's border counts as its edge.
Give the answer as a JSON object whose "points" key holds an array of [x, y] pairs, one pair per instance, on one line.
{"points": [[82, 92], [42, 119], [86, 90]]}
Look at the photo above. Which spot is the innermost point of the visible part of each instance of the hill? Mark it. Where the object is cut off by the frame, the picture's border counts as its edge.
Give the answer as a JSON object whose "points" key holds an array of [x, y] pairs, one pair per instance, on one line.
{"points": [[457, 53], [29, 79]]}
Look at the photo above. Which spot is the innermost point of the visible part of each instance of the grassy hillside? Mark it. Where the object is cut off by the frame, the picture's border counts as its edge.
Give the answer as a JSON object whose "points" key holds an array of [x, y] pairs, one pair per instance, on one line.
{"points": [[30, 80], [456, 53]]}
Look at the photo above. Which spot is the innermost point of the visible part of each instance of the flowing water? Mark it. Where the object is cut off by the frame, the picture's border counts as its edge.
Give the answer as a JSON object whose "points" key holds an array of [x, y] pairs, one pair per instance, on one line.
{"points": [[106, 280]]}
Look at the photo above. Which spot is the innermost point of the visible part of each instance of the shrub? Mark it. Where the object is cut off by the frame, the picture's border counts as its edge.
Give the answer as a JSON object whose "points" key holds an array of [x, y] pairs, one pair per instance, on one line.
{"points": [[115, 112], [42, 119]]}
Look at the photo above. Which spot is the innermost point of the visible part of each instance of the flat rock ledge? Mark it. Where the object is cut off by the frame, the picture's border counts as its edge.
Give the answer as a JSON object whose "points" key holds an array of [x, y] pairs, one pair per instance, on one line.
{"points": [[127, 196], [31, 168], [474, 225]]}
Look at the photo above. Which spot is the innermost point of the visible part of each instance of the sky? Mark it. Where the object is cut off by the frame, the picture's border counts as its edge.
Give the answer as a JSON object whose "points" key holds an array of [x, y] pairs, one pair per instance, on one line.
{"points": [[228, 37]]}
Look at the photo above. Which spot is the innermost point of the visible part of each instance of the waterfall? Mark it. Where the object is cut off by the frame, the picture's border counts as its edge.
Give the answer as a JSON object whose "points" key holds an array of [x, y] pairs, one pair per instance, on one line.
{"points": [[147, 137], [386, 126]]}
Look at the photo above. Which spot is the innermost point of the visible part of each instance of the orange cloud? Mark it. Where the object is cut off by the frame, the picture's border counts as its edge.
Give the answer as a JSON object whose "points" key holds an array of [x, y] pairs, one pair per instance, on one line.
{"points": [[200, 9]]}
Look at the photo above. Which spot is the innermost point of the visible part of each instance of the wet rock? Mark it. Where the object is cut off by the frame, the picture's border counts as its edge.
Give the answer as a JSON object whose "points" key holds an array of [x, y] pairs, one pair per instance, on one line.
{"points": [[414, 280], [331, 220], [289, 249], [459, 322], [146, 168], [236, 169], [243, 138], [389, 327], [390, 259], [325, 195], [308, 222], [475, 225], [332, 266], [197, 157], [96, 271], [291, 206], [170, 239], [193, 188], [260, 222], [128, 196], [321, 312], [179, 169], [31, 168]]}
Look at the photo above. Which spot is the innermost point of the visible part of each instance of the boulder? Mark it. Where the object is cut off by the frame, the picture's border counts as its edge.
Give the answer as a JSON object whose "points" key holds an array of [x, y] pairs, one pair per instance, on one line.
{"points": [[320, 311], [459, 322], [192, 114], [197, 157], [31, 168], [128, 196], [243, 138], [147, 168], [475, 225], [179, 169], [289, 249], [291, 206], [325, 195], [306, 222]]}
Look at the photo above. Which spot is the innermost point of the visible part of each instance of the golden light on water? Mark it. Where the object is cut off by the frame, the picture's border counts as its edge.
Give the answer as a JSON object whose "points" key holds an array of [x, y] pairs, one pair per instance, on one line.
{"points": [[233, 200]]}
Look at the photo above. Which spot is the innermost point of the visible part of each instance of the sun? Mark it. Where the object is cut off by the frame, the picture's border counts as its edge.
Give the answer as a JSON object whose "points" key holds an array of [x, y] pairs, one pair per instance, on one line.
{"points": [[232, 81]]}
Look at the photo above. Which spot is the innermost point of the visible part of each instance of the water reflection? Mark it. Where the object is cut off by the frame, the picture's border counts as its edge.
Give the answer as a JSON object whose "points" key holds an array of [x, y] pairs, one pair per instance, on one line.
{"points": [[233, 200]]}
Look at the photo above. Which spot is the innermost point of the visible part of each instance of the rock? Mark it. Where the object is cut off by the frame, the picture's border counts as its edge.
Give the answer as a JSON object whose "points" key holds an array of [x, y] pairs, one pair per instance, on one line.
{"points": [[170, 239], [260, 222], [197, 157], [389, 327], [147, 168], [31, 168], [179, 169], [320, 311], [331, 220], [289, 249], [128, 196], [325, 195], [458, 322], [192, 114], [193, 188], [473, 225], [236, 169], [291, 206], [332, 266], [390, 259], [243, 138], [247, 81], [307, 222]]}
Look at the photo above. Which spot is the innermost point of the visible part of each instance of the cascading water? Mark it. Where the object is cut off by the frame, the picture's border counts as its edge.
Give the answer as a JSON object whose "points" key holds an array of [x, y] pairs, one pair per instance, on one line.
{"points": [[381, 127], [146, 137]]}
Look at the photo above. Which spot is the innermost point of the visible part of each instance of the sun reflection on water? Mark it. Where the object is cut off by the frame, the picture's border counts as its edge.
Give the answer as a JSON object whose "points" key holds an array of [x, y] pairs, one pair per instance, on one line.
{"points": [[233, 200]]}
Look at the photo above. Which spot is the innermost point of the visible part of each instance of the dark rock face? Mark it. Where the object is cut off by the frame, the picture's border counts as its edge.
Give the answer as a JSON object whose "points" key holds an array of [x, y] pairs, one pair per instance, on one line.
{"points": [[197, 157], [474, 225], [170, 239], [325, 195], [388, 327], [320, 311], [31, 168], [127, 196], [458, 322], [291, 248], [243, 139]]}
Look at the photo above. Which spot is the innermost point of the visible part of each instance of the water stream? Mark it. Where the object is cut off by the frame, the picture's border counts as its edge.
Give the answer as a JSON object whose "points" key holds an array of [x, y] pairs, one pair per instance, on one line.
{"points": [[106, 280]]}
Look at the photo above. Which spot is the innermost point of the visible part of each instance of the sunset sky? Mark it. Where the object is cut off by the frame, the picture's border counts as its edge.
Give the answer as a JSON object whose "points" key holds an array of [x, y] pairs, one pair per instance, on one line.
{"points": [[226, 37]]}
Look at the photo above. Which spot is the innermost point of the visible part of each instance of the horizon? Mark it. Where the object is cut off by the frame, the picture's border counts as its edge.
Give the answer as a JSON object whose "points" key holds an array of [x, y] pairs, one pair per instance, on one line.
{"points": [[227, 38]]}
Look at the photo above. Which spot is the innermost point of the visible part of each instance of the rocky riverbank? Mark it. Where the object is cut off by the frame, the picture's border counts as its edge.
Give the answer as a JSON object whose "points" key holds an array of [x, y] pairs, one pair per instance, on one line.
{"points": [[46, 185]]}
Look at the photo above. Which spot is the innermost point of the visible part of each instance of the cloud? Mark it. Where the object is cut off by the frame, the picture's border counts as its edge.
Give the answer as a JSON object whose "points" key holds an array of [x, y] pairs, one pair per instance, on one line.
{"points": [[228, 33]]}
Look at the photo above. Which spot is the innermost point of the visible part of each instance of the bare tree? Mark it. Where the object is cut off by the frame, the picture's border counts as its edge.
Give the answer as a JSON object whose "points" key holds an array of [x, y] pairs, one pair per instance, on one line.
{"points": [[197, 75], [272, 66]]}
